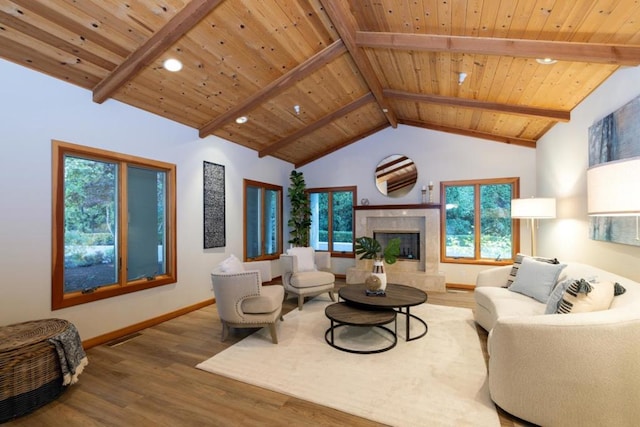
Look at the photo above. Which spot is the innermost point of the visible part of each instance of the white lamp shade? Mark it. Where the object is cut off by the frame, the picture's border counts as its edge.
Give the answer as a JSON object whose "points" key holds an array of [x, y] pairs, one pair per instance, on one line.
{"points": [[540, 207], [613, 188]]}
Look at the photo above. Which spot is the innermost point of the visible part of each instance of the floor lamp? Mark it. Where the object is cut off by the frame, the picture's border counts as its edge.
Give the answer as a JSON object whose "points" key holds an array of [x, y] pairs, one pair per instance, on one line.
{"points": [[612, 189], [533, 209]]}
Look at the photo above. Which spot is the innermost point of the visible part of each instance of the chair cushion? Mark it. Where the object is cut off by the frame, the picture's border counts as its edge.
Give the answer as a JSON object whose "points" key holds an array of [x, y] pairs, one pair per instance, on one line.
{"points": [[305, 256], [309, 279], [231, 265], [270, 299]]}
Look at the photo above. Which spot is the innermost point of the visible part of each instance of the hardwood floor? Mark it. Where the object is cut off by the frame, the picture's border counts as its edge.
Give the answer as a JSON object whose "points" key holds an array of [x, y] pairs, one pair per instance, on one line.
{"points": [[151, 380]]}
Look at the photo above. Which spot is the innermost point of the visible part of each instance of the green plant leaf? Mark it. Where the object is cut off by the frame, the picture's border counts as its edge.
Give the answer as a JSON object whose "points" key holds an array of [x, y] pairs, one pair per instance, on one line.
{"points": [[367, 247], [392, 251]]}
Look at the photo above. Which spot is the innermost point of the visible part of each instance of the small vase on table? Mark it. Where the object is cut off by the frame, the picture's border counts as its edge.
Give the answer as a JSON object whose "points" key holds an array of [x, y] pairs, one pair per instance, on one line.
{"points": [[378, 271]]}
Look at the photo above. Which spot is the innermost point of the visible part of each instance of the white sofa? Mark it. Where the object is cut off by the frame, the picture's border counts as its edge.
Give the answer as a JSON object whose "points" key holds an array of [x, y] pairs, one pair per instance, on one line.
{"points": [[579, 369]]}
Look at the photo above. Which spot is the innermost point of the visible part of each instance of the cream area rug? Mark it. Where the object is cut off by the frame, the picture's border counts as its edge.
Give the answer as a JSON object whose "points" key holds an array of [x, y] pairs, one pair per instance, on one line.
{"points": [[437, 380]]}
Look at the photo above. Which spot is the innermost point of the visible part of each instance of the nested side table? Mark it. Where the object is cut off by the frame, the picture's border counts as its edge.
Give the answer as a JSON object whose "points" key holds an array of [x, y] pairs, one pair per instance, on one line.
{"points": [[342, 314]]}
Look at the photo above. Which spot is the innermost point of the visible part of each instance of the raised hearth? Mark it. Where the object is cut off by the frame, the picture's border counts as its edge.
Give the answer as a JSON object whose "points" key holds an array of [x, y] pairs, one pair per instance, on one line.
{"points": [[421, 271]]}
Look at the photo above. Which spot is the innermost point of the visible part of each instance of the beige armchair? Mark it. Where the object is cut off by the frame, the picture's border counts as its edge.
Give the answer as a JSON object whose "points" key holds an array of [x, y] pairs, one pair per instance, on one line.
{"points": [[243, 302], [307, 273]]}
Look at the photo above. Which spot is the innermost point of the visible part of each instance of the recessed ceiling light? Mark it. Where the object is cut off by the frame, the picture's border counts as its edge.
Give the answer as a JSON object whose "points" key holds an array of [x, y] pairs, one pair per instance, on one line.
{"points": [[242, 119], [172, 65], [546, 61]]}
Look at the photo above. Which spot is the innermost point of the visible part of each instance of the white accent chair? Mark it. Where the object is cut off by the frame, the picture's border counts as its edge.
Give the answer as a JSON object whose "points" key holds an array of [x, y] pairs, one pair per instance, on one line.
{"points": [[243, 302], [307, 273]]}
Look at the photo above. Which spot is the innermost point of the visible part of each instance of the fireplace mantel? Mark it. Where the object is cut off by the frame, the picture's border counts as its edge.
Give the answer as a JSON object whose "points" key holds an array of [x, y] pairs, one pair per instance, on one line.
{"points": [[416, 206], [423, 218]]}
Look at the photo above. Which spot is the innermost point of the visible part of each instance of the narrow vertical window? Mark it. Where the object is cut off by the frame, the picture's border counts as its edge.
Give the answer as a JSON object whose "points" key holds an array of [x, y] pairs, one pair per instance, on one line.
{"points": [[262, 220], [113, 224], [332, 219]]}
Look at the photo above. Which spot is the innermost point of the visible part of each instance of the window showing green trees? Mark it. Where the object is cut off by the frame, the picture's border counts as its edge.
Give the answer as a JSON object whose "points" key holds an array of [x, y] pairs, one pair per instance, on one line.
{"points": [[477, 223], [114, 224], [262, 220], [332, 219]]}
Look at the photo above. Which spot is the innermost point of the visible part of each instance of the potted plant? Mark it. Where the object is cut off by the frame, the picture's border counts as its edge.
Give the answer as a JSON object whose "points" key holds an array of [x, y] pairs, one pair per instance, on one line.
{"points": [[300, 213], [370, 248]]}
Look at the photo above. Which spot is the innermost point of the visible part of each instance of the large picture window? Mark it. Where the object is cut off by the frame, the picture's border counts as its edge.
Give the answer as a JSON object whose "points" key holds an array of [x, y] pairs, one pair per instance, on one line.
{"points": [[262, 220], [476, 221], [113, 224], [332, 219]]}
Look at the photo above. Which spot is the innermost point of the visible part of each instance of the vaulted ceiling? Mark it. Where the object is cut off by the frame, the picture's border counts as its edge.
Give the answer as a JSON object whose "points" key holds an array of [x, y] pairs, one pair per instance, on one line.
{"points": [[352, 68]]}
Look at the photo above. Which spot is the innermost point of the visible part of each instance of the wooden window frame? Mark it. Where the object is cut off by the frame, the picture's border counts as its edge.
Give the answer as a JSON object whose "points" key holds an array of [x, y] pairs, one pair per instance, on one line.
{"points": [[263, 186], [331, 190], [60, 299], [515, 224]]}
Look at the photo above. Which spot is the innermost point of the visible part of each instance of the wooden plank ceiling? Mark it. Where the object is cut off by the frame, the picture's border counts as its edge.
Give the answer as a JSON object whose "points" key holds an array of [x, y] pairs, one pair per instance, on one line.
{"points": [[352, 68]]}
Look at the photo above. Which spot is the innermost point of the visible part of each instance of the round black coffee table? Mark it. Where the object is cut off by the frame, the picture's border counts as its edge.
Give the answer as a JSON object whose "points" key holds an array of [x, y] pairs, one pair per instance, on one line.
{"points": [[343, 314], [397, 297]]}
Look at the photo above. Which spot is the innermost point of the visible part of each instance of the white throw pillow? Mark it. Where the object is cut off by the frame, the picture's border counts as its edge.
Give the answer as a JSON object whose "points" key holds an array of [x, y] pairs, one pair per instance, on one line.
{"points": [[599, 298], [536, 279], [558, 292], [231, 265], [306, 258]]}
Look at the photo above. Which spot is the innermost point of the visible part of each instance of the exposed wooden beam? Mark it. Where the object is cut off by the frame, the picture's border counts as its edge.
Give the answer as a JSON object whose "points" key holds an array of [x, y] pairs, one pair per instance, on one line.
{"points": [[561, 51], [345, 24], [155, 46], [530, 143], [342, 145], [287, 80], [522, 110], [352, 106]]}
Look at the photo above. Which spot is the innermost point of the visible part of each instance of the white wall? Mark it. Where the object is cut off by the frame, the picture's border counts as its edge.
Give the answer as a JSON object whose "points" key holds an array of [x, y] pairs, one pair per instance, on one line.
{"points": [[438, 157], [36, 109], [562, 158]]}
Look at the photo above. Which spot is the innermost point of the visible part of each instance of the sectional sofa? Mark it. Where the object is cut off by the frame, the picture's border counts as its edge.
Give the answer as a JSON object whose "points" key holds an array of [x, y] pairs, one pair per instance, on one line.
{"points": [[565, 368]]}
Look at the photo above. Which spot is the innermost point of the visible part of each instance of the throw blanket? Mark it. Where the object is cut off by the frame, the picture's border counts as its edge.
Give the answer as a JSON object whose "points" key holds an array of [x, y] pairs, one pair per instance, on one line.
{"points": [[73, 359]]}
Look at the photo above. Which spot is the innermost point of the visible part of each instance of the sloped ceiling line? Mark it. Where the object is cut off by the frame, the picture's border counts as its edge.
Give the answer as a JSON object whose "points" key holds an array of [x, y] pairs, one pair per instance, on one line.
{"points": [[530, 143], [335, 148], [346, 26], [306, 68], [352, 106]]}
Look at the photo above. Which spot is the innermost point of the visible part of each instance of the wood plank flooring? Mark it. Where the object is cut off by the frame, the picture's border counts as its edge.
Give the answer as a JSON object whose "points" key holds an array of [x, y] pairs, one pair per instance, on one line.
{"points": [[151, 380]]}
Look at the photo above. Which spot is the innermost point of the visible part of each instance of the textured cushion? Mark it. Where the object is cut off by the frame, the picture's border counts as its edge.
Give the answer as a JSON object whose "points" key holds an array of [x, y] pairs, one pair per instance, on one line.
{"points": [[556, 296], [305, 256], [597, 298], [536, 279], [312, 278], [518, 262], [270, 299], [231, 265]]}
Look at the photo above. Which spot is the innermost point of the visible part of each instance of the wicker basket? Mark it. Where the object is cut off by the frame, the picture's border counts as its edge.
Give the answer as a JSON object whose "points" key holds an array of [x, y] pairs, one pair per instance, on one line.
{"points": [[30, 374]]}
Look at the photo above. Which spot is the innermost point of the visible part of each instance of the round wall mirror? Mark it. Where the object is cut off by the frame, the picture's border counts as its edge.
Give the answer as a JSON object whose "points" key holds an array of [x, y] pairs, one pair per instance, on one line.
{"points": [[396, 175]]}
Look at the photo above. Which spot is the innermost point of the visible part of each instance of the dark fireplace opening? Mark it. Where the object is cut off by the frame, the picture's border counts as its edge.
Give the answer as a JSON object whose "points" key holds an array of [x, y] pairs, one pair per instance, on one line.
{"points": [[409, 242]]}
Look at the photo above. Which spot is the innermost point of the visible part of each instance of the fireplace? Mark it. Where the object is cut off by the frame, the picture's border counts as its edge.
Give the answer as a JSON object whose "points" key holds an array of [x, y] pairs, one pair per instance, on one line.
{"points": [[409, 242], [418, 228]]}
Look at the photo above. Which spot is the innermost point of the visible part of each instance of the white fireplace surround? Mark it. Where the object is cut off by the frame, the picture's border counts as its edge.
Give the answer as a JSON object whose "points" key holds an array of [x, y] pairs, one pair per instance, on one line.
{"points": [[421, 273]]}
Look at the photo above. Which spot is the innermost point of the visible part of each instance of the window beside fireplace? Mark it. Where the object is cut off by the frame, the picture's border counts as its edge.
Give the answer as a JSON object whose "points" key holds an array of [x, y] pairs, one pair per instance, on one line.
{"points": [[409, 243]]}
